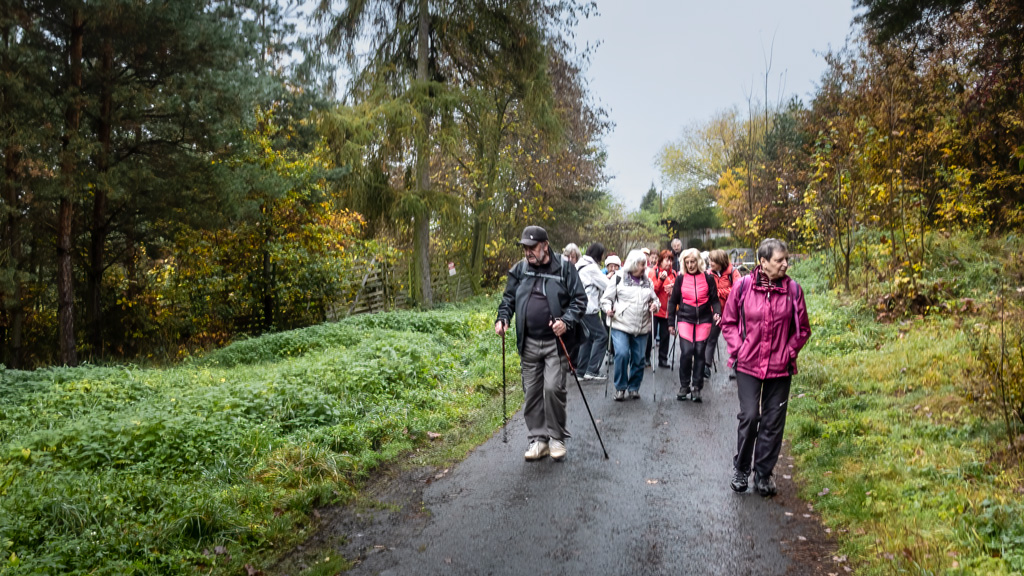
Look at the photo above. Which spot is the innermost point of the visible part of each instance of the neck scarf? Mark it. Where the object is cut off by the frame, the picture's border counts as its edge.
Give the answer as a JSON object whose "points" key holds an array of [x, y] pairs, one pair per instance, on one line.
{"points": [[764, 282]]}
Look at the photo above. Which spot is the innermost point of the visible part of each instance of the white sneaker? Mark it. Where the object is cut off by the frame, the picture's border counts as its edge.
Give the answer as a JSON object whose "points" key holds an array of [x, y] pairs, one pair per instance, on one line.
{"points": [[557, 449], [538, 450], [595, 377]]}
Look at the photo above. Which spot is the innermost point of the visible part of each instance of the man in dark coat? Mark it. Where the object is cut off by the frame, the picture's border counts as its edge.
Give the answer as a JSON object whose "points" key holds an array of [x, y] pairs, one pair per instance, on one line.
{"points": [[545, 295]]}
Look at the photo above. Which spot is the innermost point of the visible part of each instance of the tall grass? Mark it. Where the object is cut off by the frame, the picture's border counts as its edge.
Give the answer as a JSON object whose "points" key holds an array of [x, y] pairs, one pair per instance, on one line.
{"points": [[220, 462], [892, 447]]}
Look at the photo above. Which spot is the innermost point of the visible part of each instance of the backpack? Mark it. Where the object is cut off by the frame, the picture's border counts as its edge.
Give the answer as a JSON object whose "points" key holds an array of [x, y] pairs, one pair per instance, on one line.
{"points": [[579, 333]]}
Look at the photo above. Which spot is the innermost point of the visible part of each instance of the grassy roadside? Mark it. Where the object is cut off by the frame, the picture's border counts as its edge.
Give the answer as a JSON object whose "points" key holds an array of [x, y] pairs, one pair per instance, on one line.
{"points": [[903, 468], [219, 463]]}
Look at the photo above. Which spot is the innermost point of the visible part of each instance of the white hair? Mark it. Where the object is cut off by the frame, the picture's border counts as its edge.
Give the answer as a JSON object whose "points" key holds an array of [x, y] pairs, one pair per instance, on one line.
{"points": [[572, 250], [695, 254], [635, 259]]}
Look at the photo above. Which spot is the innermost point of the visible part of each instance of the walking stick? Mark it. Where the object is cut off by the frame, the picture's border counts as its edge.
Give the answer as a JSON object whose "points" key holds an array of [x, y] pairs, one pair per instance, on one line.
{"points": [[672, 353], [609, 373], [584, 396], [654, 365], [504, 399]]}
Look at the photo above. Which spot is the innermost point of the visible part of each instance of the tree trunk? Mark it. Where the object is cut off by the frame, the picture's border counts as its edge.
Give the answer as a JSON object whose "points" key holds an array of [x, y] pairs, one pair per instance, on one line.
{"points": [[65, 286], [100, 226], [480, 232], [421, 220], [13, 305]]}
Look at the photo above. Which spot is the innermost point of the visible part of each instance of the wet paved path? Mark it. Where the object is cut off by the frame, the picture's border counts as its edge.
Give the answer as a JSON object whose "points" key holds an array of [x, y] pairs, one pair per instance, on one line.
{"points": [[661, 504]]}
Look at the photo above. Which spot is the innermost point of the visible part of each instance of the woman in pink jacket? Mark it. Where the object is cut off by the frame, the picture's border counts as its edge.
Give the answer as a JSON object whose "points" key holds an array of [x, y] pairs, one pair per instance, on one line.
{"points": [[765, 325], [726, 277]]}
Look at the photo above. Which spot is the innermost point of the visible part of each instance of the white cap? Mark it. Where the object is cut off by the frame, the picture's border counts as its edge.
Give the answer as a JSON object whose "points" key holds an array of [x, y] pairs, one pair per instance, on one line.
{"points": [[613, 259]]}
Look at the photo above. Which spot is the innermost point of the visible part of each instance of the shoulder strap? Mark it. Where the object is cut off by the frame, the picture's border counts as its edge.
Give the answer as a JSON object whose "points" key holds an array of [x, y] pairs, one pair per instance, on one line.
{"points": [[529, 272], [795, 294], [741, 288]]}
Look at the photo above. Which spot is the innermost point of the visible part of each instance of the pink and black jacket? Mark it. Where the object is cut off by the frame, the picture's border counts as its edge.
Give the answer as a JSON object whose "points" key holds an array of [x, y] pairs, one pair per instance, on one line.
{"points": [[765, 325]]}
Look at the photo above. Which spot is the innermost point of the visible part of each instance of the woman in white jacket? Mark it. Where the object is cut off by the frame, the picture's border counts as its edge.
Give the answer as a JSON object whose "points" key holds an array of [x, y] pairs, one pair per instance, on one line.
{"points": [[629, 302]]}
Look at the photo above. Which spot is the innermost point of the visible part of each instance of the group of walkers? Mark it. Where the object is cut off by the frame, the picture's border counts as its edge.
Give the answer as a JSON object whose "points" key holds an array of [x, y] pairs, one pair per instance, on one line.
{"points": [[563, 303]]}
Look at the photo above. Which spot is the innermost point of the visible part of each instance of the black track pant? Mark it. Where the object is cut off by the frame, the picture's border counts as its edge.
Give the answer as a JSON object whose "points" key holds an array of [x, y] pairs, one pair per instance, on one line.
{"points": [[762, 416], [691, 363], [712, 347], [664, 338]]}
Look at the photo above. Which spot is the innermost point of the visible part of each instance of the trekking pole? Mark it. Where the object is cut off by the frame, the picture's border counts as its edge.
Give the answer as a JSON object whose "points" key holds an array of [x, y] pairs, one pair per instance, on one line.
{"points": [[609, 372], [582, 395], [504, 399], [672, 353], [654, 365]]}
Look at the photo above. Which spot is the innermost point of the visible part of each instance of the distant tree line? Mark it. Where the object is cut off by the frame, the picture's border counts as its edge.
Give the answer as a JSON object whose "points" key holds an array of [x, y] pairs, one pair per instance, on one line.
{"points": [[916, 128]]}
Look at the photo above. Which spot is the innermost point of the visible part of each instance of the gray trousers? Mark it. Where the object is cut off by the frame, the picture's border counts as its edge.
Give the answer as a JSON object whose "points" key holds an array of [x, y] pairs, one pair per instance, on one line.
{"points": [[762, 420], [544, 371], [591, 354]]}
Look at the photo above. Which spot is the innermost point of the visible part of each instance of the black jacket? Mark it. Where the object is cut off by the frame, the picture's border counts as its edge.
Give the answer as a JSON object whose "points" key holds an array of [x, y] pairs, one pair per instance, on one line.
{"points": [[566, 298], [703, 314]]}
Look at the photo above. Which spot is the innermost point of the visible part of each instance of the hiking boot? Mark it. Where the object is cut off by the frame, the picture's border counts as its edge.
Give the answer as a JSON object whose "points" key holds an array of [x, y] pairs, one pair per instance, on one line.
{"points": [[695, 395], [634, 394], [538, 449], [557, 449], [739, 480], [620, 395], [765, 485], [684, 391]]}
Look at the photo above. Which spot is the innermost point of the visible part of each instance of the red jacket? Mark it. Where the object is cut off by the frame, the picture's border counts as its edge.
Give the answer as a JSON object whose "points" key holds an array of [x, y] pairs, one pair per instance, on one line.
{"points": [[726, 280], [765, 339], [662, 288]]}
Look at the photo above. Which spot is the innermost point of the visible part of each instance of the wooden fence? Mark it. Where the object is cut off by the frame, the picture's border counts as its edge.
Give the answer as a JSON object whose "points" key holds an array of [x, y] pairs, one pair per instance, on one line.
{"points": [[385, 286]]}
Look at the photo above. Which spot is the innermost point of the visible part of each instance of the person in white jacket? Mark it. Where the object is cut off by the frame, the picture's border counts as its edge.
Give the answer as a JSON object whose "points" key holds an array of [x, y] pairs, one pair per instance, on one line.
{"points": [[629, 300], [588, 359]]}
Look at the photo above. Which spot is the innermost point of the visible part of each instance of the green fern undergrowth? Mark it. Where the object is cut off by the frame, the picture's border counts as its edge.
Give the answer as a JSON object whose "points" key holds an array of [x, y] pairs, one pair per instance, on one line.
{"points": [[220, 463]]}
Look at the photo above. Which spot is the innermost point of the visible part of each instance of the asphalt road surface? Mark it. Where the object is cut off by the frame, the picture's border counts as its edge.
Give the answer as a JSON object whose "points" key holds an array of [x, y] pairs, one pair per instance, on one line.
{"points": [[660, 505]]}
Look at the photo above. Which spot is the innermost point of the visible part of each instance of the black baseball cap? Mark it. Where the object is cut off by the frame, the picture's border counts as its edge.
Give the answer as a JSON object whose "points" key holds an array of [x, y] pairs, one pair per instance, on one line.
{"points": [[532, 235]]}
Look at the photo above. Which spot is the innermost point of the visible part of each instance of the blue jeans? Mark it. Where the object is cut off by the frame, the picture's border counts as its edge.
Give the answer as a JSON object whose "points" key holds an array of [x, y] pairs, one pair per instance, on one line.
{"points": [[629, 355], [591, 354]]}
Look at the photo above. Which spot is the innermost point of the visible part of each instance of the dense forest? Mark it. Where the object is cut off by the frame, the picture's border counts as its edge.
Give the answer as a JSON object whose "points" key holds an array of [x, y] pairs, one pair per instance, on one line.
{"points": [[177, 174]]}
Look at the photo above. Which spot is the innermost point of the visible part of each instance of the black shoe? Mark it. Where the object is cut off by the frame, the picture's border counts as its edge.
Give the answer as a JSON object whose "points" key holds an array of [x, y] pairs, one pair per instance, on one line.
{"points": [[663, 364], [739, 480], [634, 394], [684, 391], [765, 485], [695, 395], [707, 372], [732, 375], [620, 395], [647, 363]]}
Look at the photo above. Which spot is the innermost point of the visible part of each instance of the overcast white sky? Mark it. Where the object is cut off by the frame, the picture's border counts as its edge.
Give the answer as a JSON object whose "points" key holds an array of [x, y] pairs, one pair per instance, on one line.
{"points": [[663, 64]]}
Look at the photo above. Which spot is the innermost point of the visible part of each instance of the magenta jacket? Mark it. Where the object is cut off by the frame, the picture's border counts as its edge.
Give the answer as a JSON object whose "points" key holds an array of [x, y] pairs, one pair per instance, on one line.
{"points": [[766, 337]]}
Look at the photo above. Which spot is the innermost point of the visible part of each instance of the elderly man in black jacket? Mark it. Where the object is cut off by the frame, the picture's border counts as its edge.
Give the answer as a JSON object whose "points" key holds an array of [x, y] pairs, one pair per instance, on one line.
{"points": [[545, 295]]}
